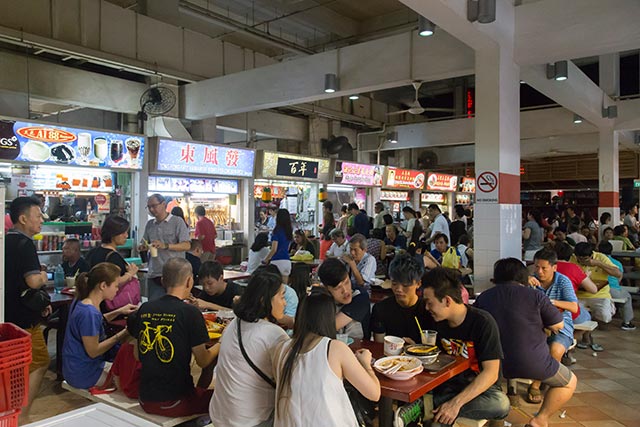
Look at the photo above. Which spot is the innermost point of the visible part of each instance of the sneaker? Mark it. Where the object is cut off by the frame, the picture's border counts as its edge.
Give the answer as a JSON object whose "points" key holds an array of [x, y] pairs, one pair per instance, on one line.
{"points": [[628, 327], [410, 412]]}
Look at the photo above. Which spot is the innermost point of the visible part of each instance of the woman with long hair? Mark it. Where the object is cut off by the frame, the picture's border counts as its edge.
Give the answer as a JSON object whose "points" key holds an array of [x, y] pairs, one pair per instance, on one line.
{"points": [[300, 279], [301, 243], [328, 224], [244, 372], [310, 369], [177, 211], [258, 252], [280, 240], [85, 342]]}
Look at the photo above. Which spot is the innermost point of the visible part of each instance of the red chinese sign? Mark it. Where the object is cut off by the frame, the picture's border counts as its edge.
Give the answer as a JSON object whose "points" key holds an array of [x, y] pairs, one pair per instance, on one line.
{"points": [[404, 178], [442, 182]]}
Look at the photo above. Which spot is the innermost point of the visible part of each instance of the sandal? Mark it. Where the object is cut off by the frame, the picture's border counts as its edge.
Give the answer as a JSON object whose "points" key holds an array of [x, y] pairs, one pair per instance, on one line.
{"points": [[597, 347], [582, 345], [533, 395]]}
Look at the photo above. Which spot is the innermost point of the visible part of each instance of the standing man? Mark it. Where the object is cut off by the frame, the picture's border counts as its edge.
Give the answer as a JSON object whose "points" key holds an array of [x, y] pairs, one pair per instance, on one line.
{"points": [[378, 220], [23, 273], [439, 224], [360, 220], [72, 263], [362, 265], [169, 235], [205, 231], [473, 334]]}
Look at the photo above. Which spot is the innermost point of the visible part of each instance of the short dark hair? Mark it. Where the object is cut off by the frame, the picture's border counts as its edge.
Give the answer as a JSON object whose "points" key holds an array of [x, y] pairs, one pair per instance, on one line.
{"points": [[269, 268], [331, 272], [444, 282], [618, 230], [112, 226], [441, 236], [379, 205], [563, 250], [510, 270], [200, 211], [572, 228], [175, 271], [20, 206], [464, 239], [583, 249], [545, 254], [353, 206], [344, 208], [75, 242], [336, 232], [405, 269], [388, 219], [359, 239], [409, 209], [605, 248], [255, 302], [210, 269], [434, 207]]}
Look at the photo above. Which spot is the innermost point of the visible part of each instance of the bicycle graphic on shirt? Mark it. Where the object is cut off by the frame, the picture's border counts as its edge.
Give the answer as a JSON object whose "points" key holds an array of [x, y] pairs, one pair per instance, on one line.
{"points": [[162, 344]]}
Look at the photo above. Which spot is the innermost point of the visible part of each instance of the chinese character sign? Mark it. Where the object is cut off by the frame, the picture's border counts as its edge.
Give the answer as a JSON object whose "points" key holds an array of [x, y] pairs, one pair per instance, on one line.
{"points": [[297, 168], [359, 174], [442, 182], [404, 178], [191, 157]]}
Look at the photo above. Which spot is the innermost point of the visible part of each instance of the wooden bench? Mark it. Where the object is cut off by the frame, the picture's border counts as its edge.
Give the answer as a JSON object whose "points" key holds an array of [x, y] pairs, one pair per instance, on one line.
{"points": [[118, 400], [466, 422], [588, 326]]}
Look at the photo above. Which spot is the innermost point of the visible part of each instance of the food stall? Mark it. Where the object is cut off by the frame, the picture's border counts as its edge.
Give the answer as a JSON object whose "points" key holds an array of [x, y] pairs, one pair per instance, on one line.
{"points": [[394, 201], [440, 189], [410, 180], [296, 182], [355, 182], [193, 173], [466, 191], [82, 175]]}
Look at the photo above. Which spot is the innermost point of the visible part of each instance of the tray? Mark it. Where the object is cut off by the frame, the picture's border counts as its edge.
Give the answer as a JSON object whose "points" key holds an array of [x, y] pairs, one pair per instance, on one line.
{"points": [[441, 362]]}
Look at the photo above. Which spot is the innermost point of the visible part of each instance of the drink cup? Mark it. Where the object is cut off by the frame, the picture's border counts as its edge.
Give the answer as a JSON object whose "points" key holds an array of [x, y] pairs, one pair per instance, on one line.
{"points": [[393, 345], [100, 148], [70, 282], [429, 337], [343, 337], [154, 251]]}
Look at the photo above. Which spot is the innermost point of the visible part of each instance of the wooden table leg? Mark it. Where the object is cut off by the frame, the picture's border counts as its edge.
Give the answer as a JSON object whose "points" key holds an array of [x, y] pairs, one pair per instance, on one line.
{"points": [[385, 413]]}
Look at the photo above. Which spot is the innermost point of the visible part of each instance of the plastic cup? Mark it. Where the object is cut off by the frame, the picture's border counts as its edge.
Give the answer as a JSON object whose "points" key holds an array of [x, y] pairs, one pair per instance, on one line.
{"points": [[429, 337], [393, 345], [343, 337], [154, 251], [70, 282]]}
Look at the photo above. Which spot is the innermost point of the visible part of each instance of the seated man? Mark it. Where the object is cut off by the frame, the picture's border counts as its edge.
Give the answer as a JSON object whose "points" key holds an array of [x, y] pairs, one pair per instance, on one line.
{"points": [[169, 332], [621, 232], [522, 314], [561, 236], [353, 309], [216, 293], [397, 316], [446, 256], [340, 245], [362, 265], [560, 291], [471, 333], [193, 256], [598, 267], [617, 292], [574, 234], [72, 263], [393, 240]]}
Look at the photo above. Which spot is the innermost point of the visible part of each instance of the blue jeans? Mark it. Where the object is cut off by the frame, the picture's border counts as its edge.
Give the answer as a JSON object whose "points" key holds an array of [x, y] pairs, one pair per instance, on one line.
{"points": [[493, 404]]}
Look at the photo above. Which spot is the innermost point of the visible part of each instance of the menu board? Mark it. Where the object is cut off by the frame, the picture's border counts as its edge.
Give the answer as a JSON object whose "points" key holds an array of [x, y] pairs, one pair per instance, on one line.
{"points": [[204, 159], [358, 174], [68, 179], [467, 185], [463, 199], [193, 185], [404, 178], [62, 145], [401, 196], [439, 198], [442, 182]]}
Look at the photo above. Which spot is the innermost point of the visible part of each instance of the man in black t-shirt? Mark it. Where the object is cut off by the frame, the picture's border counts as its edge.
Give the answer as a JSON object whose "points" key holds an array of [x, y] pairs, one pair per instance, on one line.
{"points": [[397, 316], [72, 263], [522, 313], [216, 293], [471, 333], [168, 332]]}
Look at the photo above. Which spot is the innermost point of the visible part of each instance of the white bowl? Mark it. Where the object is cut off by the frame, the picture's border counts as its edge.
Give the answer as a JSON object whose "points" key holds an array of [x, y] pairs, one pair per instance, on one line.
{"points": [[413, 367]]}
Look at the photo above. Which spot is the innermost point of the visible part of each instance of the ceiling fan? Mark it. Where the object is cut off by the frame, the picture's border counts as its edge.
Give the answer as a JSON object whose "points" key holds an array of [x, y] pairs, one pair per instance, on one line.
{"points": [[415, 107]]}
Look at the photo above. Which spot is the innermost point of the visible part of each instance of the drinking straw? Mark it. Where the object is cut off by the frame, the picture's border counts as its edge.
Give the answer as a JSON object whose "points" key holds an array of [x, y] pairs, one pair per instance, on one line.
{"points": [[422, 335]]}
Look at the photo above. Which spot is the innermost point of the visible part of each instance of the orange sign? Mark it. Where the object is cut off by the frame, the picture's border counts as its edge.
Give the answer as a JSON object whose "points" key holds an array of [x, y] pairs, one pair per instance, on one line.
{"points": [[404, 178], [442, 182], [46, 134]]}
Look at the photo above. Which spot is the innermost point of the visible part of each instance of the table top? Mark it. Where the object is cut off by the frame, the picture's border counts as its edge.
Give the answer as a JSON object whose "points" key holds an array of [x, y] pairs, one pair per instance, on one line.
{"points": [[410, 390], [625, 254], [96, 415], [59, 299]]}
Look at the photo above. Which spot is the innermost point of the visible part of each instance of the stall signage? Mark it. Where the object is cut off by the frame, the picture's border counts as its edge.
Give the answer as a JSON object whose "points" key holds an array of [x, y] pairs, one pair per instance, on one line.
{"points": [[442, 182], [102, 200], [276, 191], [297, 168], [468, 185], [401, 196], [359, 174], [193, 185], [463, 199], [404, 178], [636, 183], [433, 198], [69, 179], [61, 145], [191, 157]]}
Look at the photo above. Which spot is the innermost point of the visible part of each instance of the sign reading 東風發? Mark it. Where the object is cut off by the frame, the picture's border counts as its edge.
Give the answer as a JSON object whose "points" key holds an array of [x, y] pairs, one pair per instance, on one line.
{"points": [[358, 174], [66, 146], [291, 166], [204, 159], [193, 185]]}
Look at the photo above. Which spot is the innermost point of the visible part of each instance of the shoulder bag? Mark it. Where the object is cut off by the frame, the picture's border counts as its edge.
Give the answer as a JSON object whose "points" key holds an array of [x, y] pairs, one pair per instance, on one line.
{"points": [[128, 292], [257, 370]]}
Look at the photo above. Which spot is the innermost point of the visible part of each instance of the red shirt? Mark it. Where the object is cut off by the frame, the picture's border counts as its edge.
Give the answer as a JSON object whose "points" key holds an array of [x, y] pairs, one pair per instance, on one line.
{"points": [[127, 369], [575, 274], [206, 228]]}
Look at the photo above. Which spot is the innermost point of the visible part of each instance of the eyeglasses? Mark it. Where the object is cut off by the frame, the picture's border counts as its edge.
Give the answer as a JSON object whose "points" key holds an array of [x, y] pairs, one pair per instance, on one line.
{"points": [[153, 206]]}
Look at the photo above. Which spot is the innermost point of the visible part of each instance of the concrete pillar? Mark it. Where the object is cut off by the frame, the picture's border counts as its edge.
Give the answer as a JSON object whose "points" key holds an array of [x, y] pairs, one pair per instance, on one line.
{"points": [[204, 130], [609, 72], [318, 129], [609, 199], [498, 212], [14, 104]]}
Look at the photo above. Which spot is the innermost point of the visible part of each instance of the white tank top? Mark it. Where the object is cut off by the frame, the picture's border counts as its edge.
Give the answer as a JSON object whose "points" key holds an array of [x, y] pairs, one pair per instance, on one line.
{"points": [[317, 396]]}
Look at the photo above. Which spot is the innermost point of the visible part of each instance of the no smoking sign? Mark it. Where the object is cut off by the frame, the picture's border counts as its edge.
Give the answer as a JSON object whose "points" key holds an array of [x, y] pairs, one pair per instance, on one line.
{"points": [[487, 187]]}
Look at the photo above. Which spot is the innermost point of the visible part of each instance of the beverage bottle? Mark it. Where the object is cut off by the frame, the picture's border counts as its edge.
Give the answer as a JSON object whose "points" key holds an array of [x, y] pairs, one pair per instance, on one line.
{"points": [[58, 279]]}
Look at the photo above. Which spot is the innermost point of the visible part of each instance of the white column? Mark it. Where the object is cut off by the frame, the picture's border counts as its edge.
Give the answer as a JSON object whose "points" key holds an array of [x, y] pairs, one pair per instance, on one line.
{"points": [[498, 213], [608, 176]]}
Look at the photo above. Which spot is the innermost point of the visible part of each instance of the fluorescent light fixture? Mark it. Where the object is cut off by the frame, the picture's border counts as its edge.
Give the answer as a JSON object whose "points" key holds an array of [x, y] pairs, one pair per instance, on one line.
{"points": [[354, 97], [341, 188], [330, 83], [558, 71], [426, 28], [392, 137], [577, 119]]}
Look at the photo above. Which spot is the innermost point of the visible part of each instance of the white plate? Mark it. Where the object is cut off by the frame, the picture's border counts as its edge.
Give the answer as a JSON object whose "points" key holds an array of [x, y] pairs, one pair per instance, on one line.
{"points": [[413, 368]]}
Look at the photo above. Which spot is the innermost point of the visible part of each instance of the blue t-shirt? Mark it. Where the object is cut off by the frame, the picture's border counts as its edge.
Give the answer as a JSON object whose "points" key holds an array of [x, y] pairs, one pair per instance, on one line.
{"points": [[614, 283], [283, 245], [291, 297], [361, 224], [562, 290], [80, 370]]}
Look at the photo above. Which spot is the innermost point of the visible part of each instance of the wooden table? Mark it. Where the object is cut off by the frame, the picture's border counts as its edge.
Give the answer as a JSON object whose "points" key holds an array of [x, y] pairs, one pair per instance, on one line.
{"points": [[60, 302], [409, 390]]}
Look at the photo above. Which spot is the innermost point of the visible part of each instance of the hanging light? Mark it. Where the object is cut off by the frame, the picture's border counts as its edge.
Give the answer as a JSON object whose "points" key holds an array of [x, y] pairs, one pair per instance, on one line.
{"points": [[577, 119], [558, 71], [426, 28], [330, 83], [266, 194], [392, 137], [354, 97], [483, 11]]}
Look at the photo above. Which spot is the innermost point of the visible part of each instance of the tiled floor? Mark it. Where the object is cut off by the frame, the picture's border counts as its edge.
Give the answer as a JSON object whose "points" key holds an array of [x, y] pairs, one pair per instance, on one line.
{"points": [[608, 392]]}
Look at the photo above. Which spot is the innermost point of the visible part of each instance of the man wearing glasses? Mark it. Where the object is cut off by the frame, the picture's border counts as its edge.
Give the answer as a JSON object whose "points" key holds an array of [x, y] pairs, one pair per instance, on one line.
{"points": [[165, 236]]}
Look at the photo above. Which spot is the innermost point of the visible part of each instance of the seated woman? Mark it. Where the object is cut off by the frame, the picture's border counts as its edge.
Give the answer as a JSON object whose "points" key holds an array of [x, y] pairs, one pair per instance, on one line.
{"points": [[301, 242], [245, 363], [258, 252], [311, 367], [85, 343]]}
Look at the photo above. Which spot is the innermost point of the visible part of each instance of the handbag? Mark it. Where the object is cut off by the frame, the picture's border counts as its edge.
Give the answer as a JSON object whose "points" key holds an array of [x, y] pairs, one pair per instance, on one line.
{"points": [[128, 293], [35, 299]]}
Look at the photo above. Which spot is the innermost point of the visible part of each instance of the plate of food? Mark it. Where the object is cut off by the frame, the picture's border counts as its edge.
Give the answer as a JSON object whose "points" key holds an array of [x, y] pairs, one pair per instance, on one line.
{"points": [[398, 367], [214, 329], [427, 354]]}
